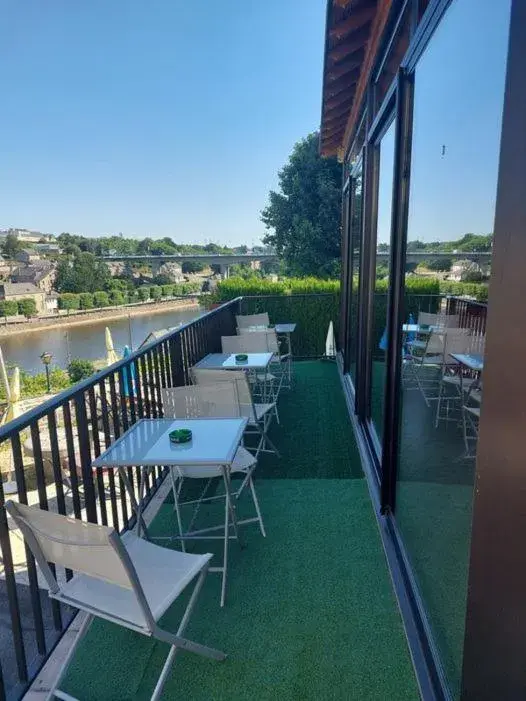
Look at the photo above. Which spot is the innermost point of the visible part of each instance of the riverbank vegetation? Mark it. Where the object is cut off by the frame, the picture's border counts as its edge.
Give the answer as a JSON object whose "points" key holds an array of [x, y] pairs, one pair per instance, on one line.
{"points": [[117, 297]]}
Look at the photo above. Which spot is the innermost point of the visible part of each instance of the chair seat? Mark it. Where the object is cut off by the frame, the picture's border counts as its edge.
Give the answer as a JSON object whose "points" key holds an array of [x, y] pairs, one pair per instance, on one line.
{"points": [[269, 377], [280, 358], [456, 380], [475, 410], [262, 409], [163, 575]]}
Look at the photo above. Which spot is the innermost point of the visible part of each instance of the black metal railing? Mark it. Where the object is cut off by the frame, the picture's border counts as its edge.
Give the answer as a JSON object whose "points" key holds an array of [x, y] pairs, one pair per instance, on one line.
{"points": [[472, 315], [49, 452]]}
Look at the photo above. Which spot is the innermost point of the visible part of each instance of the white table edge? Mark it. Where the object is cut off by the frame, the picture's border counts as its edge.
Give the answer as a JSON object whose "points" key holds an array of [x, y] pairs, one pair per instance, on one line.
{"points": [[101, 462]]}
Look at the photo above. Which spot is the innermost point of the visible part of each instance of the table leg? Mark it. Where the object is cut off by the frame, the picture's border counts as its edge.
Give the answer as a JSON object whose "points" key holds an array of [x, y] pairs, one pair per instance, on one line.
{"points": [[136, 506]]}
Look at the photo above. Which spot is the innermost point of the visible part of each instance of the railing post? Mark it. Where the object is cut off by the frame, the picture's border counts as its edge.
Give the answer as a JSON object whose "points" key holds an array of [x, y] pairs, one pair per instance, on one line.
{"points": [[85, 457]]}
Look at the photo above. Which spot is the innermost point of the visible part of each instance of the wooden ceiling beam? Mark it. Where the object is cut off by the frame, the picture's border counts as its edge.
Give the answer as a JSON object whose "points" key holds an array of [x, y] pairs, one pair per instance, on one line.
{"points": [[342, 3], [337, 117], [356, 20], [339, 69], [336, 135], [339, 110], [346, 82], [336, 99], [349, 46]]}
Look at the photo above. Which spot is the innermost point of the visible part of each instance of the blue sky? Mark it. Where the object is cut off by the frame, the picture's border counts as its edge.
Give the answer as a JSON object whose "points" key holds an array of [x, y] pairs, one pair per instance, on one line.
{"points": [[457, 120], [162, 118]]}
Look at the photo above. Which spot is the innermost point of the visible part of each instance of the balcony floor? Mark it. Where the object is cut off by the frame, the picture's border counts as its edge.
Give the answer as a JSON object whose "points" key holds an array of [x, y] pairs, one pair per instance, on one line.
{"points": [[310, 611]]}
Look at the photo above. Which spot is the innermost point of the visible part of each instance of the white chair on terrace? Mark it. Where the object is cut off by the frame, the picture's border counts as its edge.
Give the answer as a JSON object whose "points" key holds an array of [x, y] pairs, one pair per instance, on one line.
{"points": [[128, 581], [246, 344], [268, 340], [252, 320], [215, 400], [431, 361], [455, 341], [438, 321], [259, 415]]}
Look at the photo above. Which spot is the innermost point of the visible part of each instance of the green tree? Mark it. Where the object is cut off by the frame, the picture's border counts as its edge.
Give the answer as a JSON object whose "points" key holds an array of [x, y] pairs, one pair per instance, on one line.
{"points": [[80, 369], [156, 292], [117, 297], [440, 264], [192, 266], [8, 308], [27, 307], [101, 299], [83, 273], [69, 301], [11, 246], [143, 293], [304, 217], [86, 300]]}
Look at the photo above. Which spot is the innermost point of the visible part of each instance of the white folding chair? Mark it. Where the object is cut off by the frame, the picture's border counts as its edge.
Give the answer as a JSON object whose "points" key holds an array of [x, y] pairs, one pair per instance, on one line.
{"points": [[431, 360], [437, 321], [215, 400], [128, 581], [455, 341], [266, 383], [259, 415], [268, 339], [247, 320]]}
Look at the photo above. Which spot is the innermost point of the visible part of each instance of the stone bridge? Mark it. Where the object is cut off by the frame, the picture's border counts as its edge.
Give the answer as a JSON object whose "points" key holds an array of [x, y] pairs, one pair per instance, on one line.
{"points": [[222, 260]]}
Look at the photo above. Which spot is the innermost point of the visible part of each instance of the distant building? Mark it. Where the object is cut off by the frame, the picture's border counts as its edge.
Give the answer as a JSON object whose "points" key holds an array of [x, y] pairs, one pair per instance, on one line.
{"points": [[15, 291], [26, 236], [27, 255], [47, 248], [42, 274], [51, 303]]}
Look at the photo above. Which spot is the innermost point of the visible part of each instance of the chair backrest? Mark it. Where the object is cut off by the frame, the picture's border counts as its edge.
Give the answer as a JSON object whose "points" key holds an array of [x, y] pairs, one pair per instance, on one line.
{"points": [[252, 320], [232, 344], [219, 400], [264, 341], [456, 341], [82, 547], [447, 320], [236, 377]]}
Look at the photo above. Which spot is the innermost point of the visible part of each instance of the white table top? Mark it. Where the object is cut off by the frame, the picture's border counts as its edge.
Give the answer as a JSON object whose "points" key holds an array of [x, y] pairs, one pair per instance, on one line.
{"points": [[214, 442], [285, 328], [227, 361], [473, 361], [417, 328]]}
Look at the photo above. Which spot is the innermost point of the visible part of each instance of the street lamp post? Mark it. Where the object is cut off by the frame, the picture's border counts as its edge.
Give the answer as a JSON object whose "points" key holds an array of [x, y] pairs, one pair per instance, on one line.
{"points": [[46, 359]]}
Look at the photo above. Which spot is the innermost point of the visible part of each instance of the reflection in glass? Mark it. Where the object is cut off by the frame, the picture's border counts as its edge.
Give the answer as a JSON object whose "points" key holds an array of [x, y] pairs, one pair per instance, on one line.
{"points": [[459, 89], [383, 234], [356, 247]]}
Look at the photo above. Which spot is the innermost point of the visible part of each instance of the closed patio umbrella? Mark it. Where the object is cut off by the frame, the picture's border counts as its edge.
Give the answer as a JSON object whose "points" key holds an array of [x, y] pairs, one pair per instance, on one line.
{"points": [[330, 345], [13, 410], [111, 355], [128, 374]]}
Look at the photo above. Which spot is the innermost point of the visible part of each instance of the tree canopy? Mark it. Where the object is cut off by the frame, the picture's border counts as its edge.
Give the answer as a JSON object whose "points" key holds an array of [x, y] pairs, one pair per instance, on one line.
{"points": [[82, 273], [303, 218]]}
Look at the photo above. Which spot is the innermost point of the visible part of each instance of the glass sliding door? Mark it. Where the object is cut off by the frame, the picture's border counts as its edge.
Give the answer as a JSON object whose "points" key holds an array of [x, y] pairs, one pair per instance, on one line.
{"points": [[457, 112], [384, 156], [356, 218]]}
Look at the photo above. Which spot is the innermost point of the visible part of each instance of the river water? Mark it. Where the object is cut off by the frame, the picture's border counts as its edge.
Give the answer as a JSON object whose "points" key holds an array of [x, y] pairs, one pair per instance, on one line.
{"points": [[86, 341]]}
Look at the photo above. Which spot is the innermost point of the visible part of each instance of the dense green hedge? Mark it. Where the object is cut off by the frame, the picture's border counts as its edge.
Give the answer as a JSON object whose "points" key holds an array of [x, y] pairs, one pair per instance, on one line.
{"points": [[478, 290], [97, 300], [296, 300]]}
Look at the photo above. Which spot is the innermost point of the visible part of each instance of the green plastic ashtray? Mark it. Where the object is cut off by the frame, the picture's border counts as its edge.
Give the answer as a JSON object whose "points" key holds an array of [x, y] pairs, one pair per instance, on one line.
{"points": [[180, 435], [241, 358]]}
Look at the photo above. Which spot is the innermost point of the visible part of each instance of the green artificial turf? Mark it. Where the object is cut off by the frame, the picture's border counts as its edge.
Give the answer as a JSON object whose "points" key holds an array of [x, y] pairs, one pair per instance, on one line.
{"points": [[310, 611]]}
